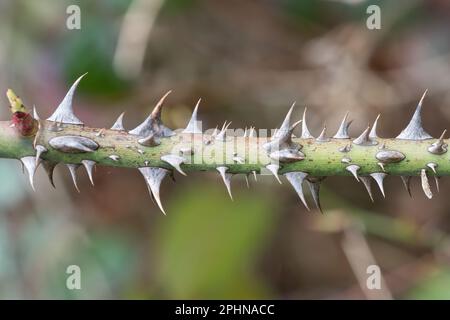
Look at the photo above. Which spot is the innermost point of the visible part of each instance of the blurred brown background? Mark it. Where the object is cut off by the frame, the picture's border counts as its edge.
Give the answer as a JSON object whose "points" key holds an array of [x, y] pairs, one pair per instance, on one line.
{"points": [[248, 60]]}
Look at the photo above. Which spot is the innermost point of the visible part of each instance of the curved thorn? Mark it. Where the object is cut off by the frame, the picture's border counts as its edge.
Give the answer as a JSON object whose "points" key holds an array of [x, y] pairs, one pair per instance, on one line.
{"points": [[49, 167], [174, 161], [379, 179], [364, 140], [73, 173], [285, 126], [35, 114], [89, 166], [314, 188], [373, 133], [153, 178], [150, 141], [414, 129], [246, 181], [254, 175], [226, 177], [353, 169], [296, 180], [342, 132], [29, 163], [322, 137], [192, 125], [118, 125], [64, 112], [273, 168], [39, 151], [305, 131], [366, 182], [407, 184], [425, 185], [156, 113]]}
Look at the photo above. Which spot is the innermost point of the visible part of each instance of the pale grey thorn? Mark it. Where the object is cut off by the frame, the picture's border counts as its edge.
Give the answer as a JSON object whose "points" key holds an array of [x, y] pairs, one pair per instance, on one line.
{"points": [[39, 151], [373, 132], [439, 147], [406, 180], [322, 136], [153, 177], [151, 140], [381, 165], [367, 184], [345, 148], [273, 168], [35, 114], [29, 162], [226, 177], [314, 187], [379, 179], [73, 173], [114, 157], [425, 184], [353, 169], [296, 180], [254, 175], [346, 160], [175, 161], [222, 135], [49, 167], [285, 126], [305, 131], [89, 166], [118, 125], [364, 140], [433, 167], [342, 132], [414, 130], [192, 126], [64, 113]]}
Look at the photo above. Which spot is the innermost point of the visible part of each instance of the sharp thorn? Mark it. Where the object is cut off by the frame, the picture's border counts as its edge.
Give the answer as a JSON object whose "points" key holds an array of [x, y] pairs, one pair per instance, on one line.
{"points": [[273, 168], [89, 166], [64, 113], [153, 177], [49, 167], [192, 126], [364, 140], [414, 130], [314, 187], [353, 169], [342, 132], [174, 161], [373, 133], [118, 125], [425, 184], [379, 179], [366, 182], [39, 151], [73, 173], [226, 177], [305, 131], [296, 180], [29, 162], [407, 184]]}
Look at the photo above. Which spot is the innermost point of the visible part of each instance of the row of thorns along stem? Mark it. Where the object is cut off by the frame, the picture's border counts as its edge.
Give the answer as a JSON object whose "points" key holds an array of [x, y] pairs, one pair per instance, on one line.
{"points": [[280, 148]]}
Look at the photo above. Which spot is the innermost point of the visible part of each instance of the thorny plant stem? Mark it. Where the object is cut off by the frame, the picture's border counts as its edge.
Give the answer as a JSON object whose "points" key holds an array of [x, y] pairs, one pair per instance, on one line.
{"points": [[321, 158]]}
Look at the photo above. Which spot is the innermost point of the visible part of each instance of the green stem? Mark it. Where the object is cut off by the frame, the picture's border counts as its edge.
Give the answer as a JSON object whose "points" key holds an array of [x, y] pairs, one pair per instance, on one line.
{"points": [[321, 158]]}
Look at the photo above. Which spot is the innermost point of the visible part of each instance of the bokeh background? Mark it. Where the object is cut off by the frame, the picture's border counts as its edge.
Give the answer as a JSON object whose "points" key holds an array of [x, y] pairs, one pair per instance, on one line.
{"points": [[248, 60]]}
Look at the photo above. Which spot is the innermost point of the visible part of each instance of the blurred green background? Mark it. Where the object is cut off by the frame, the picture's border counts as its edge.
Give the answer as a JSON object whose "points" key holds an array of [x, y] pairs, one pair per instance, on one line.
{"points": [[248, 60]]}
